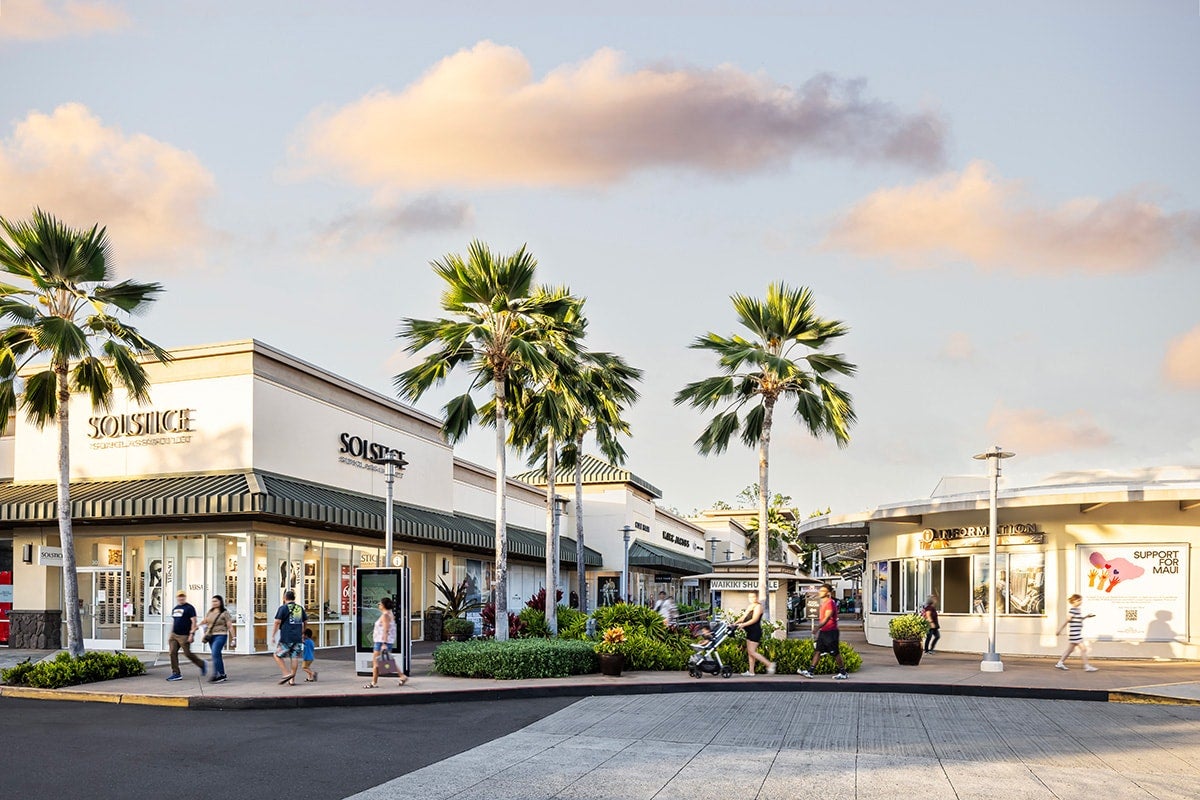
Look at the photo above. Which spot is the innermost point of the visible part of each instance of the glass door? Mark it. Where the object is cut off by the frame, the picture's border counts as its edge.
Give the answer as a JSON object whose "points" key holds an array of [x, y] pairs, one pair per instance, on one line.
{"points": [[100, 602]]}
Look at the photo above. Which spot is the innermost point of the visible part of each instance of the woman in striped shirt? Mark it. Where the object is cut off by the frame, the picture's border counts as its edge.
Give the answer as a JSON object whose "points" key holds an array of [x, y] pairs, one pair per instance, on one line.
{"points": [[1075, 618]]}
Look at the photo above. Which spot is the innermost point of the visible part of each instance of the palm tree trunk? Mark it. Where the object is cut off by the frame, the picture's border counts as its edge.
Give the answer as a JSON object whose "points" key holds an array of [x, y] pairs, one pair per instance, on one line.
{"points": [[764, 532], [65, 534], [500, 583], [580, 566], [551, 538]]}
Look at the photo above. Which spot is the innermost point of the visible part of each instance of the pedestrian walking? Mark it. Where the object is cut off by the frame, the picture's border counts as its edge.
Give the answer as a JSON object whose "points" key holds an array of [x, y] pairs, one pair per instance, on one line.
{"points": [[828, 635], [667, 609], [289, 627], [218, 631], [383, 635], [929, 612], [751, 622], [1075, 640], [183, 633], [310, 655]]}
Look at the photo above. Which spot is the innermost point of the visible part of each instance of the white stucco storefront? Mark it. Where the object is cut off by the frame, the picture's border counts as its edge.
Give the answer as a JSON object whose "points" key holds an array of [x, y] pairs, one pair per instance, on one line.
{"points": [[248, 474], [1127, 543]]}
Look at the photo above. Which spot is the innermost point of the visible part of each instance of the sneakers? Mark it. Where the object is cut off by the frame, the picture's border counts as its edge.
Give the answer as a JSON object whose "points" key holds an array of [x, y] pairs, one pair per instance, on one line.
{"points": [[806, 673], [1061, 665], [1090, 668], [771, 669], [174, 676], [748, 673], [203, 669], [218, 678], [841, 676]]}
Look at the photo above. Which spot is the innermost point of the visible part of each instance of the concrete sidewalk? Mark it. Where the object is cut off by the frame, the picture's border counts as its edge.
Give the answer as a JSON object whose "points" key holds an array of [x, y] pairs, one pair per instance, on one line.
{"points": [[254, 682]]}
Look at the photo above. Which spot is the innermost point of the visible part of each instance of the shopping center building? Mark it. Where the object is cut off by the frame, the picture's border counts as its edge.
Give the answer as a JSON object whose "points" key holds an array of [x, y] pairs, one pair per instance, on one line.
{"points": [[1126, 542], [248, 474]]}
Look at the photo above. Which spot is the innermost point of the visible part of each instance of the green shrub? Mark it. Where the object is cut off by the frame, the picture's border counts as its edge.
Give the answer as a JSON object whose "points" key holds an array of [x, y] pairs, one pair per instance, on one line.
{"points": [[66, 671], [534, 622], [459, 626], [633, 618], [516, 658], [642, 652], [908, 627], [571, 620], [790, 656]]}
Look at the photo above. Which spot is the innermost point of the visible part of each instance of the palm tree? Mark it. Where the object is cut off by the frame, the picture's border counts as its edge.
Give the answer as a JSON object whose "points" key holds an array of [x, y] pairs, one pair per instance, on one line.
{"points": [[68, 308], [604, 382], [783, 359], [500, 327]]}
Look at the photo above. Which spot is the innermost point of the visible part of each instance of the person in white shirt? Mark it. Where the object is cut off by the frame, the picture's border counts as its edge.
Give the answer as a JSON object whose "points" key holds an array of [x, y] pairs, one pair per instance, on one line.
{"points": [[666, 608]]}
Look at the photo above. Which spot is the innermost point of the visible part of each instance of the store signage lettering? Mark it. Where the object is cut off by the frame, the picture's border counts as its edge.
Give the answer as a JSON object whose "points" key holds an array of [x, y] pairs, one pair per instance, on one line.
{"points": [[359, 451], [141, 428], [976, 535], [729, 584], [641, 526], [670, 537], [50, 556], [1168, 560]]}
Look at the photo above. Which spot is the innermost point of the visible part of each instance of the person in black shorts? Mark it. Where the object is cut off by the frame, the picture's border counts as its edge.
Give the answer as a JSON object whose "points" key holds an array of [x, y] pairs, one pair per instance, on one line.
{"points": [[828, 637], [751, 622]]}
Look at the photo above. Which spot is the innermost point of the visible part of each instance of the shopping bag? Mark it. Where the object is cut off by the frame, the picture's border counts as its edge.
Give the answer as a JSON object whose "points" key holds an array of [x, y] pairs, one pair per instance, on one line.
{"points": [[387, 664]]}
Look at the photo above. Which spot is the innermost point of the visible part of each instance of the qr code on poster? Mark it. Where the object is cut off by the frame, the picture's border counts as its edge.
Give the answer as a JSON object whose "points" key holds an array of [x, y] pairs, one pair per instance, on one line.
{"points": [[1131, 615]]}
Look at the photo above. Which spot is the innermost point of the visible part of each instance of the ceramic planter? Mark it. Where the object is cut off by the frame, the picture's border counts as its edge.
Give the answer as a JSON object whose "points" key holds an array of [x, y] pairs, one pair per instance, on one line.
{"points": [[612, 663], [908, 651]]}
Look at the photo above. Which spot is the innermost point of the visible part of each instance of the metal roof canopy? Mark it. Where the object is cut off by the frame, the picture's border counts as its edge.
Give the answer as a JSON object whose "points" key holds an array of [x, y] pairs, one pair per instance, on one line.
{"points": [[263, 495], [647, 555]]}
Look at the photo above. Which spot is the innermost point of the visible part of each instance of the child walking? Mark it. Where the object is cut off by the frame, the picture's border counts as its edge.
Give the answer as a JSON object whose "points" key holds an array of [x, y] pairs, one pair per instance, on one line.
{"points": [[1075, 618], [309, 656]]}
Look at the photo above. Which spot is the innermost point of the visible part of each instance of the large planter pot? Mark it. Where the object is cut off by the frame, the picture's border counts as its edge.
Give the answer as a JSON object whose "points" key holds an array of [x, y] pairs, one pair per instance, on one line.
{"points": [[908, 651], [612, 664]]}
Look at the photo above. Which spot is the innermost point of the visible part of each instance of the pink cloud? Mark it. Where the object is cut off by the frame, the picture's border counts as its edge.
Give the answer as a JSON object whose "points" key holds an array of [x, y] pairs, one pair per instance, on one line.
{"points": [[1033, 431], [481, 118], [958, 347], [1181, 367], [149, 194], [41, 20], [976, 216]]}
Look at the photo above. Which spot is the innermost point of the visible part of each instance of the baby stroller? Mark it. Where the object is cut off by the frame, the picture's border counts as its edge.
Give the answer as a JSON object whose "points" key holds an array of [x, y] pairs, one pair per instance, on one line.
{"points": [[706, 659]]}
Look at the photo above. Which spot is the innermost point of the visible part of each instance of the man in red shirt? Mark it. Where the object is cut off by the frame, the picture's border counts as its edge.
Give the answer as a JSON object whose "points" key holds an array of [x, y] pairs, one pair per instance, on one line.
{"points": [[828, 638]]}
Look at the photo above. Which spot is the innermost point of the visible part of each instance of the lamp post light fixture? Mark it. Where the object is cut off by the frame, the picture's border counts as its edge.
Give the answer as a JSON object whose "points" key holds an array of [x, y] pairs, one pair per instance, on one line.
{"points": [[393, 461], [991, 661], [712, 541], [625, 567]]}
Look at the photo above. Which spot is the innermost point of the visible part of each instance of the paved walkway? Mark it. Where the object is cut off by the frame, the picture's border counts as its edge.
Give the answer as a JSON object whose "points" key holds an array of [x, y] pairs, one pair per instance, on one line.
{"points": [[769, 745], [253, 682]]}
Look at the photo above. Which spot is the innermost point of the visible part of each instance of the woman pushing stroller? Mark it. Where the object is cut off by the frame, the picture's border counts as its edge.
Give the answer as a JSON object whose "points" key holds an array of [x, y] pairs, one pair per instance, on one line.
{"points": [[751, 622]]}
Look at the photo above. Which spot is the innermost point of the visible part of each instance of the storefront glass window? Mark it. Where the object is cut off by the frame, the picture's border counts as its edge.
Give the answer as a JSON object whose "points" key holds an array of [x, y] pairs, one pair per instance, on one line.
{"points": [[274, 573], [1024, 589], [879, 594], [336, 577]]}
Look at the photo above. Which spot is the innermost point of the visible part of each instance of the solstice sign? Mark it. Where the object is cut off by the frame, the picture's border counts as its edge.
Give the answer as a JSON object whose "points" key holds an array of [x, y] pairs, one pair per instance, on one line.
{"points": [[141, 428]]}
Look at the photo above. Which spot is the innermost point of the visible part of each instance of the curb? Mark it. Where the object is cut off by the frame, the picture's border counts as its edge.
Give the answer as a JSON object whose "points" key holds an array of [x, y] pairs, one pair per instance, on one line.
{"points": [[490, 694], [27, 693]]}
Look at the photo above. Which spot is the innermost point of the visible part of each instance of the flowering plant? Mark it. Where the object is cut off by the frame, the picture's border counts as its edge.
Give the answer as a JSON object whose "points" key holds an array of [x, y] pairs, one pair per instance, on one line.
{"points": [[612, 641]]}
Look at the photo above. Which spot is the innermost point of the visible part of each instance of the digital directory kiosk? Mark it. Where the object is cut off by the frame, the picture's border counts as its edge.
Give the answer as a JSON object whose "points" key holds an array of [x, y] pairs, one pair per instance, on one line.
{"points": [[372, 585]]}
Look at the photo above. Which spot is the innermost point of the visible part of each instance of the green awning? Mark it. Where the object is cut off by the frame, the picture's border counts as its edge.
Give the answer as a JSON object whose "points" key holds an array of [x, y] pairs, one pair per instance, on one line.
{"points": [[262, 495], [648, 555]]}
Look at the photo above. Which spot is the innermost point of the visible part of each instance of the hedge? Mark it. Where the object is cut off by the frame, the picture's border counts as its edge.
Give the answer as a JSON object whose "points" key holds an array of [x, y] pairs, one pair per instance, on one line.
{"points": [[516, 658], [64, 670], [790, 656]]}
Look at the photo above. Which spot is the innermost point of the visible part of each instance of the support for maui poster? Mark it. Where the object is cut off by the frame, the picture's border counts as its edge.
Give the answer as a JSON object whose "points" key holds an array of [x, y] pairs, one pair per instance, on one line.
{"points": [[1138, 592]]}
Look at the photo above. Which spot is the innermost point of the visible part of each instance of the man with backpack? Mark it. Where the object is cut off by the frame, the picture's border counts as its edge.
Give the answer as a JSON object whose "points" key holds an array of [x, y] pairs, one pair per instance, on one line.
{"points": [[289, 627], [828, 636]]}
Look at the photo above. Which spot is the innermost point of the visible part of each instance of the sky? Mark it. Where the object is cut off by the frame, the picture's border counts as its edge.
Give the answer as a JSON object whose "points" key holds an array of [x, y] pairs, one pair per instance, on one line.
{"points": [[1002, 204]]}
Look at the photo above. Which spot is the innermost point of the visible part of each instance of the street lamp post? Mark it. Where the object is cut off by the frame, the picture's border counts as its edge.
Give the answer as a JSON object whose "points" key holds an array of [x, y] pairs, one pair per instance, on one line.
{"points": [[712, 542], [394, 460], [991, 660], [625, 567]]}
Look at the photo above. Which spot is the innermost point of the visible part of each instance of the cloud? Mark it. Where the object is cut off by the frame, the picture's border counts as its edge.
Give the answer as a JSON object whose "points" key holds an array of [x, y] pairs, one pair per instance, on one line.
{"points": [[1181, 367], [958, 347], [41, 20], [149, 194], [376, 226], [480, 118], [1033, 431], [976, 216]]}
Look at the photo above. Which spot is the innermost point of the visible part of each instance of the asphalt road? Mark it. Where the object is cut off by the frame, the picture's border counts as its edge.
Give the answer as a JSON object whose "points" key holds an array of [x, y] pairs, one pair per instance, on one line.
{"points": [[95, 750]]}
